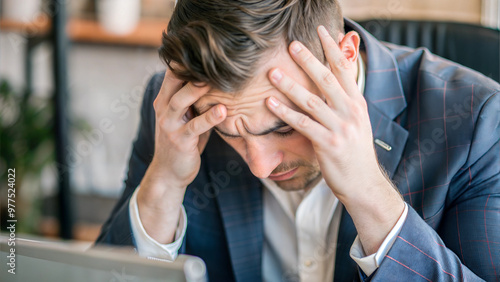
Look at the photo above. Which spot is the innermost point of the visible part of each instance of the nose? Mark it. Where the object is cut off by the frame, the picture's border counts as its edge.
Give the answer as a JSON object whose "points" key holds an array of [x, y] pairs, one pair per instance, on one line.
{"points": [[262, 157]]}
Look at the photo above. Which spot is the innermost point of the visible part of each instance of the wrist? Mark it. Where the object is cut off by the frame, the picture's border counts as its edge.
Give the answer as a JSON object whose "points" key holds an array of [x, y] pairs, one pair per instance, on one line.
{"points": [[159, 214], [161, 175], [159, 225], [375, 213], [159, 196], [157, 187]]}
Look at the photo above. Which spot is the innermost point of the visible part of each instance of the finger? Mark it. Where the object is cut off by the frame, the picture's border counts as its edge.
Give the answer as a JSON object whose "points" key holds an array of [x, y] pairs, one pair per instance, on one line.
{"points": [[206, 121], [319, 73], [339, 64], [311, 129], [310, 103], [183, 99], [169, 86]]}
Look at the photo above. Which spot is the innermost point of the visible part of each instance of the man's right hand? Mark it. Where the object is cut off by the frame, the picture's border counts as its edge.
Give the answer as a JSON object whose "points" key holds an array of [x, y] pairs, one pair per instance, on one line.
{"points": [[179, 141]]}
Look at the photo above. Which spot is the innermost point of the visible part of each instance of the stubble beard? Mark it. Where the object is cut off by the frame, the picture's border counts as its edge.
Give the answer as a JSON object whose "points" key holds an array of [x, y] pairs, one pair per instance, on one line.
{"points": [[309, 176]]}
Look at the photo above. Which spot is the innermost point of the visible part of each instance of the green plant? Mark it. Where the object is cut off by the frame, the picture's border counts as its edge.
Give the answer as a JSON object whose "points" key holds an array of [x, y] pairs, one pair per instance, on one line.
{"points": [[26, 144]]}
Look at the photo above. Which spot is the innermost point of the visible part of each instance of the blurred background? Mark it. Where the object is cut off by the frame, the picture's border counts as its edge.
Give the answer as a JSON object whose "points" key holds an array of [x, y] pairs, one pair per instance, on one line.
{"points": [[72, 76]]}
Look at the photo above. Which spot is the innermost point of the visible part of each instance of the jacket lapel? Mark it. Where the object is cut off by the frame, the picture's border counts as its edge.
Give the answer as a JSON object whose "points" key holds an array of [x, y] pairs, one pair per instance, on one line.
{"points": [[345, 267], [386, 132], [240, 204]]}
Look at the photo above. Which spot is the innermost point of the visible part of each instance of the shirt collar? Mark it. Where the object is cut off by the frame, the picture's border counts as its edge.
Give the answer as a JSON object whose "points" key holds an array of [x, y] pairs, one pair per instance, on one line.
{"points": [[361, 74]]}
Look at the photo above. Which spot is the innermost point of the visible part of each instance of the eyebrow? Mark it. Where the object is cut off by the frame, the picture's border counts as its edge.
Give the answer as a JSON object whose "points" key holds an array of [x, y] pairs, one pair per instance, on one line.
{"points": [[277, 125]]}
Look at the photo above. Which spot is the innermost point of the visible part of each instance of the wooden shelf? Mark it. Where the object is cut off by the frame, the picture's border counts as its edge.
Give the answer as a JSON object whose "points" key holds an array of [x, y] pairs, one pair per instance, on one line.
{"points": [[40, 26], [147, 33]]}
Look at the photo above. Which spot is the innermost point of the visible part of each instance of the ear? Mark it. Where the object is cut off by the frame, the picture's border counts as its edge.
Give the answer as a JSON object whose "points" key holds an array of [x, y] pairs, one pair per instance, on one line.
{"points": [[349, 45]]}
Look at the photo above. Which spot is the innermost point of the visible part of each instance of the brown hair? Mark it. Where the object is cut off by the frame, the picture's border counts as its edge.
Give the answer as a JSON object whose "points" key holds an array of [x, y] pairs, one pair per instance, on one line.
{"points": [[220, 42]]}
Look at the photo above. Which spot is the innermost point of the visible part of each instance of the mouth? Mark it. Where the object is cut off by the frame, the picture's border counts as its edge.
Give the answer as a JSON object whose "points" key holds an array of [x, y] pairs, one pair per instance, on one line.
{"points": [[283, 175]]}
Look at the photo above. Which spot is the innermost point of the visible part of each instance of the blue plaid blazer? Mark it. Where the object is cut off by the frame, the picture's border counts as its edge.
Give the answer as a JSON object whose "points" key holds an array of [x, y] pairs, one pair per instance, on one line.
{"points": [[442, 122]]}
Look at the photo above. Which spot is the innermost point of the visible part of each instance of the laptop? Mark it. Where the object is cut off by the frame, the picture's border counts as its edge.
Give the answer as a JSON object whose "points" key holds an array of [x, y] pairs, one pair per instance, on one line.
{"points": [[34, 260]]}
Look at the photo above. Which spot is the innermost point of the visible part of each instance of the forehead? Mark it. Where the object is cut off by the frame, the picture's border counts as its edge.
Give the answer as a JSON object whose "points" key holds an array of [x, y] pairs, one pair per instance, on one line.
{"points": [[259, 88]]}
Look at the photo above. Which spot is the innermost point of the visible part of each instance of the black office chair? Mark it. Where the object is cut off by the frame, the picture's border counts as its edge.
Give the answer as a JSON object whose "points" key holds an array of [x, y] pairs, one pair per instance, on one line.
{"points": [[473, 46]]}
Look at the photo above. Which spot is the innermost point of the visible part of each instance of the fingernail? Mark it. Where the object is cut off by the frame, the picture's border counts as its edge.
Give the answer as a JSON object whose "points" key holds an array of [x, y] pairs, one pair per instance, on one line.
{"points": [[296, 48], [273, 102], [276, 75], [217, 111], [323, 31]]}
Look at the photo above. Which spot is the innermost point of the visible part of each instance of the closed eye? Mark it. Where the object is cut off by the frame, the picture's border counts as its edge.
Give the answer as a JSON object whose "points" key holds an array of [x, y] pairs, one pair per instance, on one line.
{"points": [[227, 136], [282, 132], [281, 129], [285, 131]]}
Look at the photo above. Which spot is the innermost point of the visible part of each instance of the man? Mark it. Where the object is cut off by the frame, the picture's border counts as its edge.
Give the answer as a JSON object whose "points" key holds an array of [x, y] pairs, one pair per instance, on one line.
{"points": [[322, 126]]}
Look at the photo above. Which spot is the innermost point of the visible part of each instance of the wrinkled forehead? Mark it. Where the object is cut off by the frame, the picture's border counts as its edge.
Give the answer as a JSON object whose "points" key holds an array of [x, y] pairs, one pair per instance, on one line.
{"points": [[259, 88], [247, 101]]}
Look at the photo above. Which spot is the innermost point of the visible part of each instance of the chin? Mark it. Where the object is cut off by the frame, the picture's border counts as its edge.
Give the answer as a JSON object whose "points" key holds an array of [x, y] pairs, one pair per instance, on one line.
{"points": [[303, 182]]}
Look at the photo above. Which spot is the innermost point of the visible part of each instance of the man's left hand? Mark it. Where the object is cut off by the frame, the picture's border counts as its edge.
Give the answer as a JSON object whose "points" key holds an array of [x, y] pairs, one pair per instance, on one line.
{"points": [[339, 128]]}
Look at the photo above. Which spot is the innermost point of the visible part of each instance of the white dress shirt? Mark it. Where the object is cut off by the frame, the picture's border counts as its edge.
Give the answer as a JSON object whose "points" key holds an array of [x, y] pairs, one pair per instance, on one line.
{"points": [[300, 232]]}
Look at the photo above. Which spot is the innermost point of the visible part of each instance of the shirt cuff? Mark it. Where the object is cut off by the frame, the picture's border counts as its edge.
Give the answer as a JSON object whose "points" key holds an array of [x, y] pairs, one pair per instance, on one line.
{"points": [[149, 247], [370, 263]]}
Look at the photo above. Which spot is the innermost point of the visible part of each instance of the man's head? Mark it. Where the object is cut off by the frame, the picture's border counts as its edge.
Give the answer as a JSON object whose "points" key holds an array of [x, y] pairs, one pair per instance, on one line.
{"points": [[231, 46], [222, 42]]}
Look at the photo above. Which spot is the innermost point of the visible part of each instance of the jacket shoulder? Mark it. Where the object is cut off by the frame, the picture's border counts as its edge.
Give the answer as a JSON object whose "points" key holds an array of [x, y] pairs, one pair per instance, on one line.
{"points": [[422, 70]]}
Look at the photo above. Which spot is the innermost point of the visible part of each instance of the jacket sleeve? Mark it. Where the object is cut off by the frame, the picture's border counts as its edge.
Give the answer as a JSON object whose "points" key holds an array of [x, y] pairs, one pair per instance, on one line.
{"points": [[466, 244], [117, 229]]}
